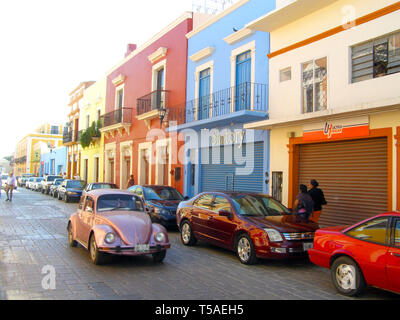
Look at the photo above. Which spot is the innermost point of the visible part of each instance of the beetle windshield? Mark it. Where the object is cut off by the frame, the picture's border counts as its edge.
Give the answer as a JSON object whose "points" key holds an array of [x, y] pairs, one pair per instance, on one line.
{"points": [[162, 193], [258, 205], [104, 186], [120, 202]]}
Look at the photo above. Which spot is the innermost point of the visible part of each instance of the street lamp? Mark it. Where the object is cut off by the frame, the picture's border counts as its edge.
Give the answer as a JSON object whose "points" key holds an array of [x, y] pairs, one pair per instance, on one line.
{"points": [[161, 114]]}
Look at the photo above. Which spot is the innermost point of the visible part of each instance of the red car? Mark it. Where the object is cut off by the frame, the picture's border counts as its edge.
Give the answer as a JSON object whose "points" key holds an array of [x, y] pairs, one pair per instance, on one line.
{"points": [[367, 253], [114, 222], [253, 225]]}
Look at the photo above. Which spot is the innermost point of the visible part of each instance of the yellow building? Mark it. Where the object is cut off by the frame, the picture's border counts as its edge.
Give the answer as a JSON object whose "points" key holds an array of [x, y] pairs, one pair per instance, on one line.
{"points": [[91, 156], [27, 159]]}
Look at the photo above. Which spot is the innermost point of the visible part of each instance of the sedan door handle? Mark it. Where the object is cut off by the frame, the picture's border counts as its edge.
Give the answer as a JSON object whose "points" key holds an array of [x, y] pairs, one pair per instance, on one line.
{"points": [[395, 254]]}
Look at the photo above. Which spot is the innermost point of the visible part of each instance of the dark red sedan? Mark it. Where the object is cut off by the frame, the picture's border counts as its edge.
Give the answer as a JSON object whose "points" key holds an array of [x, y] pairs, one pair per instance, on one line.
{"points": [[367, 253], [253, 225]]}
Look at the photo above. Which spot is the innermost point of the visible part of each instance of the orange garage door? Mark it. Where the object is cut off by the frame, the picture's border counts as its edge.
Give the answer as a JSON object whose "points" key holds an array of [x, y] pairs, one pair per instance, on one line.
{"points": [[352, 174]]}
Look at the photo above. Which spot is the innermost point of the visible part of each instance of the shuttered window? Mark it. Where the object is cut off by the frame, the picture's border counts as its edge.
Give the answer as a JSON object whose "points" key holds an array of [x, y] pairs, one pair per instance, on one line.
{"points": [[376, 58], [353, 176]]}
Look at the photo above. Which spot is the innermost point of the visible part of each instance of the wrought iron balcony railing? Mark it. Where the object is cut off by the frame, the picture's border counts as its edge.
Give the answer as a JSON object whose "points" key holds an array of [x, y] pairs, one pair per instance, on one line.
{"points": [[118, 116], [246, 96], [67, 137], [155, 100]]}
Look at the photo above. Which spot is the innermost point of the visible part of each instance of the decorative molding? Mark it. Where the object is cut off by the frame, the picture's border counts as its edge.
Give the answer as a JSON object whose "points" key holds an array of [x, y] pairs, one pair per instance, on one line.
{"points": [[158, 54], [119, 80], [238, 36], [202, 54], [148, 116]]}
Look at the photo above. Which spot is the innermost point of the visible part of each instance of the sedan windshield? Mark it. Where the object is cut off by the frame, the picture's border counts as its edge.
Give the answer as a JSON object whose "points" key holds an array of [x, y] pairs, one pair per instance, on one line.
{"points": [[258, 205], [76, 184], [120, 202], [57, 182], [162, 193], [52, 178]]}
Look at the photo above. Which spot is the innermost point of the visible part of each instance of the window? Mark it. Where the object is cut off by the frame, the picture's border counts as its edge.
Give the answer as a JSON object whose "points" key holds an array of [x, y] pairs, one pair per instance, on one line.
{"points": [[314, 85], [221, 203], [54, 130], [397, 234], [371, 231], [89, 204], [376, 58], [204, 201], [285, 74], [120, 99]]}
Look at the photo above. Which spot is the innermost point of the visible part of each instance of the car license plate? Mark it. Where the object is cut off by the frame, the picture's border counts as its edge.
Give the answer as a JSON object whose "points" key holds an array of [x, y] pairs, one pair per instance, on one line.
{"points": [[142, 247], [307, 245]]}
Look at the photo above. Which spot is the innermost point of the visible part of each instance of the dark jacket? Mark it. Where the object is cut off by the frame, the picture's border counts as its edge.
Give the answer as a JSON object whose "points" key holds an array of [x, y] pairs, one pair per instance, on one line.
{"points": [[318, 197]]}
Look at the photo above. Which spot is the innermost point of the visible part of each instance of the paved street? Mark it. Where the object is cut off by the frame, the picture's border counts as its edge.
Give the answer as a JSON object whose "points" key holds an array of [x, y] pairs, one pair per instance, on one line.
{"points": [[33, 235]]}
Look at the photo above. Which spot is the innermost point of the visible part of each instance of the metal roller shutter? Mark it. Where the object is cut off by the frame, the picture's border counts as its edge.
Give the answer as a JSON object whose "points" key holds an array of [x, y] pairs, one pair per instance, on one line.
{"points": [[220, 177], [353, 176]]}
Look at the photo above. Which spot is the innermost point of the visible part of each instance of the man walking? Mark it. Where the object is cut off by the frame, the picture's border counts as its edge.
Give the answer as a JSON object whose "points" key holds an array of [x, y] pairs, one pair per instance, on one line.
{"points": [[10, 186]]}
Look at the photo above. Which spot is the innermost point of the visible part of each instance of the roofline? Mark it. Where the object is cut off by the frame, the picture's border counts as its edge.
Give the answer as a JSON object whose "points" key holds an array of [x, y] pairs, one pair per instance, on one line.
{"points": [[168, 28]]}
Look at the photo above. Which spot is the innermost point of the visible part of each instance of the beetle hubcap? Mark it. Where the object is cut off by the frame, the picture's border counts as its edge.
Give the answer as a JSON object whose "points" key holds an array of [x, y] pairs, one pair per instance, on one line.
{"points": [[186, 233], [346, 276], [244, 249]]}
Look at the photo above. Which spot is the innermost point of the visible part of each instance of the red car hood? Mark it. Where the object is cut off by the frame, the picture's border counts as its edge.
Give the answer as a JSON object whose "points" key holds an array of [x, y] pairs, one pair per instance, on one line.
{"points": [[133, 227], [286, 223]]}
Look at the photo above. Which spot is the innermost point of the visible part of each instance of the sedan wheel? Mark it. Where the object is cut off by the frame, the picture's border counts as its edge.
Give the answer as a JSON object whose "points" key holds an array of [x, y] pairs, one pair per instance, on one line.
{"points": [[187, 235], [347, 277], [245, 250], [96, 256], [71, 241]]}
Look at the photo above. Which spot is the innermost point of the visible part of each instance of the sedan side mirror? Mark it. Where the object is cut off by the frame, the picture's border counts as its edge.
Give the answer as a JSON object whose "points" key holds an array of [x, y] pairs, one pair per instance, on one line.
{"points": [[186, 198], [225, 213], [150, 209]]}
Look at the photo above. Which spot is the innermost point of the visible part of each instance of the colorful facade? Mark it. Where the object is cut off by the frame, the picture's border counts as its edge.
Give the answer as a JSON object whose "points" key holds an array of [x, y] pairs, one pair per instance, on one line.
{"points": [[28, 150], [227, 86], [150, 79], [53, 161], [335, 104], [71, 130], [91, 154]]}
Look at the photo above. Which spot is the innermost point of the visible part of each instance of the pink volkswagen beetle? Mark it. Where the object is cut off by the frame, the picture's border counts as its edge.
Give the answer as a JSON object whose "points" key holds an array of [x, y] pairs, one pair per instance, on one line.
{"points": [[115, 222]]}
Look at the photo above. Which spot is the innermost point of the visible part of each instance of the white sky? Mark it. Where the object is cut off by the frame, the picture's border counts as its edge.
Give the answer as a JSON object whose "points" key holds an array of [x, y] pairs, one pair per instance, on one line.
{"points": [[47, 47]]}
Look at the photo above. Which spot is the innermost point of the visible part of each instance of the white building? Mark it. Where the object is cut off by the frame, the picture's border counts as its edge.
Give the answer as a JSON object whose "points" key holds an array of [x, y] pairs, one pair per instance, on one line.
{"points": [[334, 104]]}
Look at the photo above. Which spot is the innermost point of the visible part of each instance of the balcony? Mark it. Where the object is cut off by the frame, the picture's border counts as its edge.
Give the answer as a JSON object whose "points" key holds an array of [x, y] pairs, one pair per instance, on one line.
{"points": [[67, 137], [149, 105], [117, 120], [247, 102]]}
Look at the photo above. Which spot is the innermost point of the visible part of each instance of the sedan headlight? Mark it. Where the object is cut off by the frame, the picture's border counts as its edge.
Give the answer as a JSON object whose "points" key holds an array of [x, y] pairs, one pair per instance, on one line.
{"points": [[160, 237], [160, 210], [109, 238], [273, 235]]}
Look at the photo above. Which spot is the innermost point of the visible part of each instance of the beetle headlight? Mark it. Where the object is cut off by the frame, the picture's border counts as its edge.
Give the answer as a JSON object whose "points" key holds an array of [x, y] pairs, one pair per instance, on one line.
{"points": [[273, 235], [160, 237], [109, 238]]}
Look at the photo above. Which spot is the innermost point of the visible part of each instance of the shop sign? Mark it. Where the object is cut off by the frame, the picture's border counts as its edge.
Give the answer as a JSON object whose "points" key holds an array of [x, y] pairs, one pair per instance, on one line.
{"points": [[227, 137], [337, 129]]}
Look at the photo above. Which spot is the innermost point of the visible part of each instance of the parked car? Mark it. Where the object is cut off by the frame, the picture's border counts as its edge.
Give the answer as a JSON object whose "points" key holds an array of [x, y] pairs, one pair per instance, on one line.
{"points": [[115, 222], [21, 181], [367, 253], [4, 178], [161, 202], [99, 185], [70, 190], [253, 225], [36, 184], [29, 182], [47, 182], [54, 186]]}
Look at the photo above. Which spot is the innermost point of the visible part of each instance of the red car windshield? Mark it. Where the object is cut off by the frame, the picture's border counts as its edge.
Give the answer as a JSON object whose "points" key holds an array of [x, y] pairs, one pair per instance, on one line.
{"points": [[258, 205]]}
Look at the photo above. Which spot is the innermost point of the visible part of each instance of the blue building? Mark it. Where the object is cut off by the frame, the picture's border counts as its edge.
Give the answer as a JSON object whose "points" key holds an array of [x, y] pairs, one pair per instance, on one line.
{"points": [[227, 86], [53, 162]]}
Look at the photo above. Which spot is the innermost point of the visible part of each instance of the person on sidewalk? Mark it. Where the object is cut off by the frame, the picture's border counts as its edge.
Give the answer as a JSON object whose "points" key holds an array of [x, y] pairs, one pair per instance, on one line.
{"points": [[304, 203], [10, 186], [319, 200], [1, 186], [131, 182]]}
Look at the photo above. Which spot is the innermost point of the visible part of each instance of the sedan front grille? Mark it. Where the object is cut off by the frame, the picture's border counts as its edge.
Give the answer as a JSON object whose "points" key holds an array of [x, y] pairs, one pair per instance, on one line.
{"points": [[299, 236]]}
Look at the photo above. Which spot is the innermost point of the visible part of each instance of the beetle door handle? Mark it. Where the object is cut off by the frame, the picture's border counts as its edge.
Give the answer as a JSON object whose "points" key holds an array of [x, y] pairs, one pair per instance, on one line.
{"points": [[395, 254]]}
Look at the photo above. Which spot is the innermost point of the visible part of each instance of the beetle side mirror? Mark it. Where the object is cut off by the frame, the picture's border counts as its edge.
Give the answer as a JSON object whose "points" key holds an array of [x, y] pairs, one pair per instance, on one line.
{"points": [[225, 213]]}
